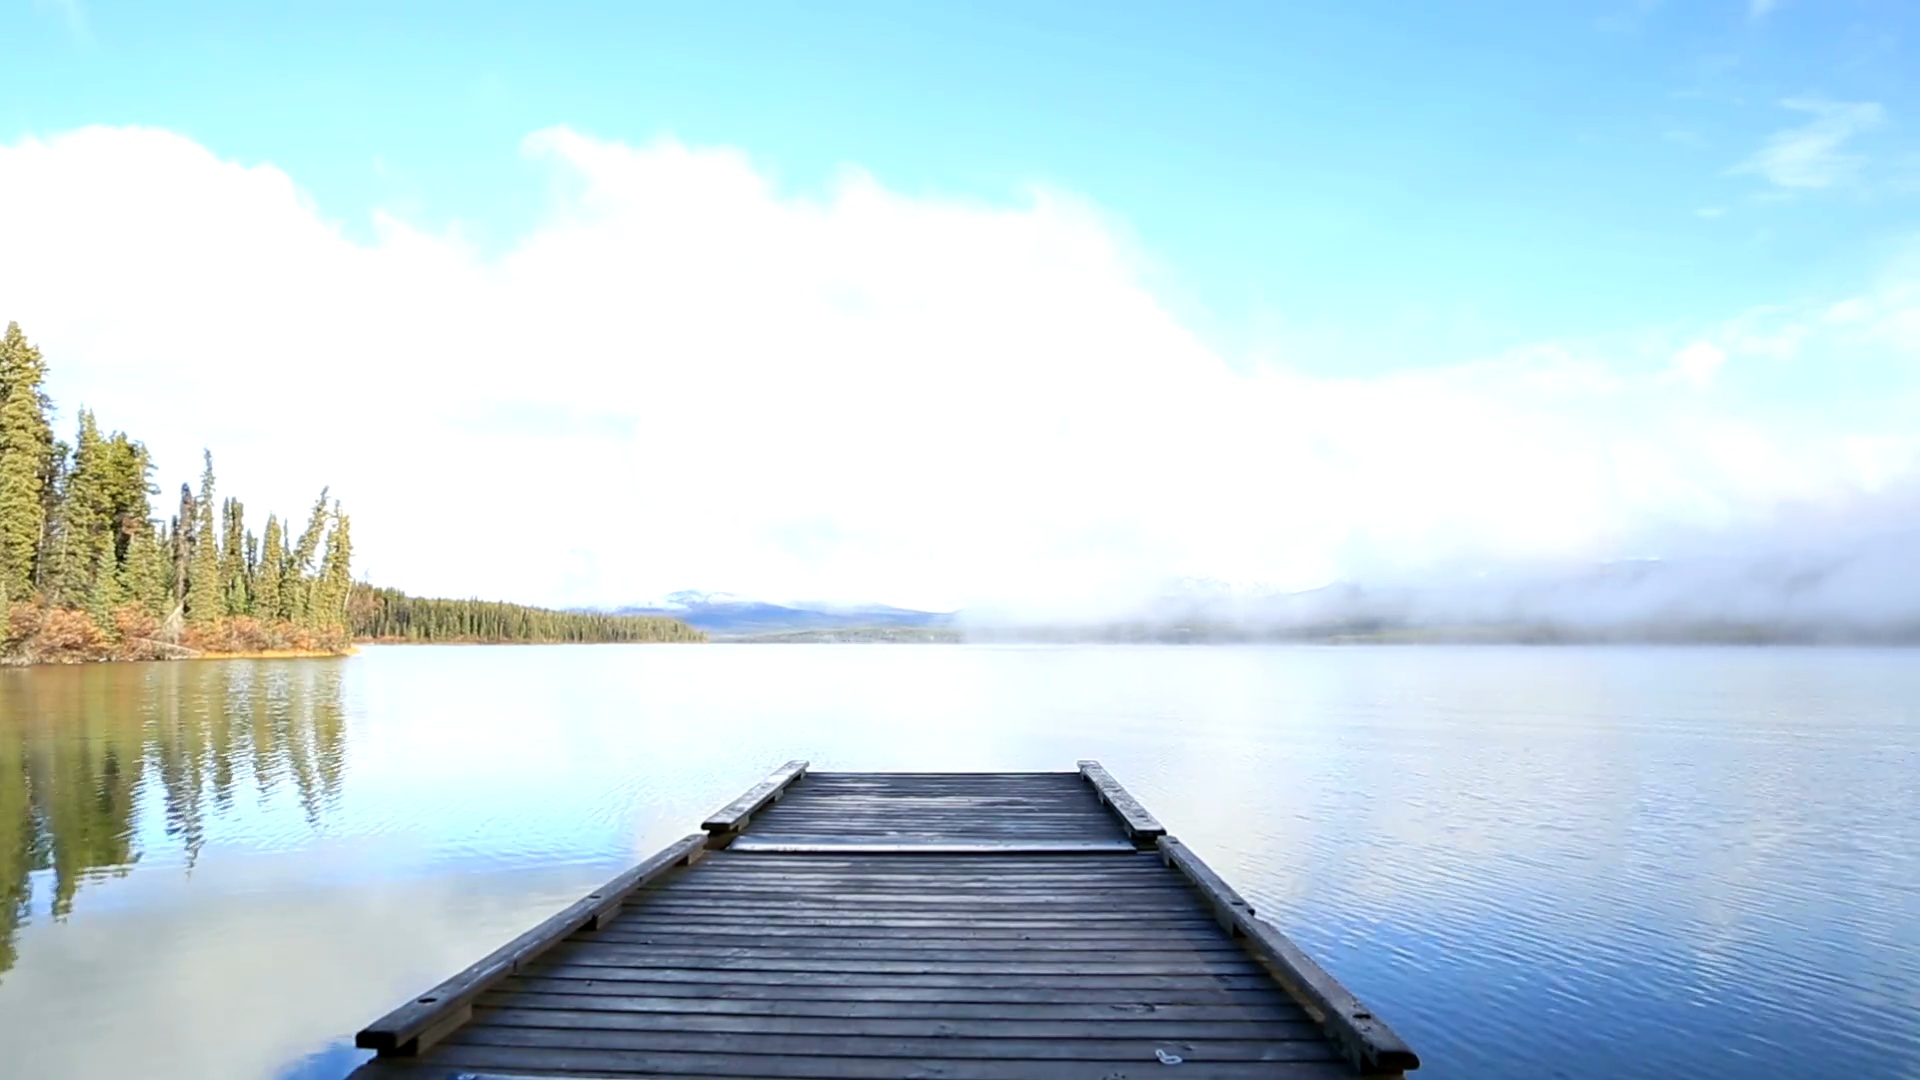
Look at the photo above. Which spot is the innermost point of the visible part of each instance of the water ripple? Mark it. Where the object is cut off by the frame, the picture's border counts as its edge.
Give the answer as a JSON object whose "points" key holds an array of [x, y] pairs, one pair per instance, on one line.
{"points": [[1560, 862]]}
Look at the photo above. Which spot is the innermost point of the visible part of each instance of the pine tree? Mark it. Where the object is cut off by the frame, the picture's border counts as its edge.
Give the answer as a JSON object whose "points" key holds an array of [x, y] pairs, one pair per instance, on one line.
{"points": [[299, 580], [105, 594], [180, 547], [53, 483], [143, 574], [233, 558], [83, 524], [163, 539], [26, 463], [335, 584], [268, 602], [205, 603], [129, 477], [250, 572]]}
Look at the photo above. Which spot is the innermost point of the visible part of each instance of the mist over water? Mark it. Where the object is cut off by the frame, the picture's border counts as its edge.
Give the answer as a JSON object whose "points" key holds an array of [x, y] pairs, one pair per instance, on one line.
{"points": [[1847, 572], [1610, 862]]}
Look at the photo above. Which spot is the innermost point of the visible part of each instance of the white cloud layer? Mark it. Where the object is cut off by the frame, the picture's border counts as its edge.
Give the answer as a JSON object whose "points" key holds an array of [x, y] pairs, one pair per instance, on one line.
{"points": [[685, 377], [1814, 155], [1698, 364]]}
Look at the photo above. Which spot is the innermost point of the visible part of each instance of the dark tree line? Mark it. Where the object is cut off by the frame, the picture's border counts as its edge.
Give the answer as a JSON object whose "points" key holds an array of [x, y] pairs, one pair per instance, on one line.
{"points": [[391, 615]]}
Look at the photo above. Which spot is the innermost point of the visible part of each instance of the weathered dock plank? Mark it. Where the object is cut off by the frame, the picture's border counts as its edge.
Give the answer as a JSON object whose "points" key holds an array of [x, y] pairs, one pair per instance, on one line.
{"points": [[953, 925], [950, 813], [734, 816], [1141, 827], [514, 1063], [540, 1013], [929, 843], [1366, 1039]]}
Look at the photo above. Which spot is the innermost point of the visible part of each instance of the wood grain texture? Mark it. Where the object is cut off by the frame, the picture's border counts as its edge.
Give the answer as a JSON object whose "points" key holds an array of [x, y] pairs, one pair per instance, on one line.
{"points": [[955, 845], [1111, 994], [483, 1062], [734, 816], [1008, 926], [1274, 1015], [1141, 827]]}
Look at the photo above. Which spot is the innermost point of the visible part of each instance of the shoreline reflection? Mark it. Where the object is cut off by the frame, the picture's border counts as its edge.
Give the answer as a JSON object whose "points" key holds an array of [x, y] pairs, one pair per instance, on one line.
{"points": [[86, 750]]}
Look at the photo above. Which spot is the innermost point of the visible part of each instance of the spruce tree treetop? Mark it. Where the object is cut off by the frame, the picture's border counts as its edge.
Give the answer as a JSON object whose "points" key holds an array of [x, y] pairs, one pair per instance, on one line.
{"points": [[26, 463], [206, 599], [268, 600], [20, 364], [83, 525]]}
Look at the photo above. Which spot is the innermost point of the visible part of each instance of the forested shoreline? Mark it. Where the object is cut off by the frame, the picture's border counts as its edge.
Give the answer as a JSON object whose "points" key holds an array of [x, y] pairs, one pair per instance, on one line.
{"points": [[388, 615], [87, 573]]}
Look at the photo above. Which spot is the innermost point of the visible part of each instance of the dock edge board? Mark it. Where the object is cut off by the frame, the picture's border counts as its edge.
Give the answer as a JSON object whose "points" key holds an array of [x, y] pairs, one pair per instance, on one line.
{"points": [[431, 1016], [1370, 1045], [1141, 826], [1368, 1042], [734, 816]]}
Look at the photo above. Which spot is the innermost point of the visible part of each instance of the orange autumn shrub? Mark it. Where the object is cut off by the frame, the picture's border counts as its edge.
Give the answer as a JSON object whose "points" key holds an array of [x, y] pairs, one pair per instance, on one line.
{"points": [[68, 637]]}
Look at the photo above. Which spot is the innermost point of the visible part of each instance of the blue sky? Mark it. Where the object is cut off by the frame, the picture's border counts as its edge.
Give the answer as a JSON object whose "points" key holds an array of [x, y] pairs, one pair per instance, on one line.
{"points": [[1460, 177], [1347, 191]]}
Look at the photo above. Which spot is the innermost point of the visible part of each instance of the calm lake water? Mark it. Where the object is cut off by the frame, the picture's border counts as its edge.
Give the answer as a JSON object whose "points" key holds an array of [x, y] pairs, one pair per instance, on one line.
{"points": [[1533, 862]]}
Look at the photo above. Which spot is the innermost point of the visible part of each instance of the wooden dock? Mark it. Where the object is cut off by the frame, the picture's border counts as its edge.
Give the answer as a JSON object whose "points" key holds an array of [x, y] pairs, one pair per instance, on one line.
{"points": [[998, 926]]}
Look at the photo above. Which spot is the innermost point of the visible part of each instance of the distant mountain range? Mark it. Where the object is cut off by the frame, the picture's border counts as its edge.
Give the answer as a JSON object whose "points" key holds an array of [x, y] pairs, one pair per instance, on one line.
{"points": [[725, 615]]}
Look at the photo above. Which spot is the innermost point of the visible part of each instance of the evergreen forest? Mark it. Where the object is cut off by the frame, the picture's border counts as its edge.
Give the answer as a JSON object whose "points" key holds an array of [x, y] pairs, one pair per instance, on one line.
{"points": [[389, 615], [87, 572]]}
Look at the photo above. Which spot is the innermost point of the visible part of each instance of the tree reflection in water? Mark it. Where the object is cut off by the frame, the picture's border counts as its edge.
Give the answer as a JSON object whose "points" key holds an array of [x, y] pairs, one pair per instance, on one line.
{"points": [[86, 750]]}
